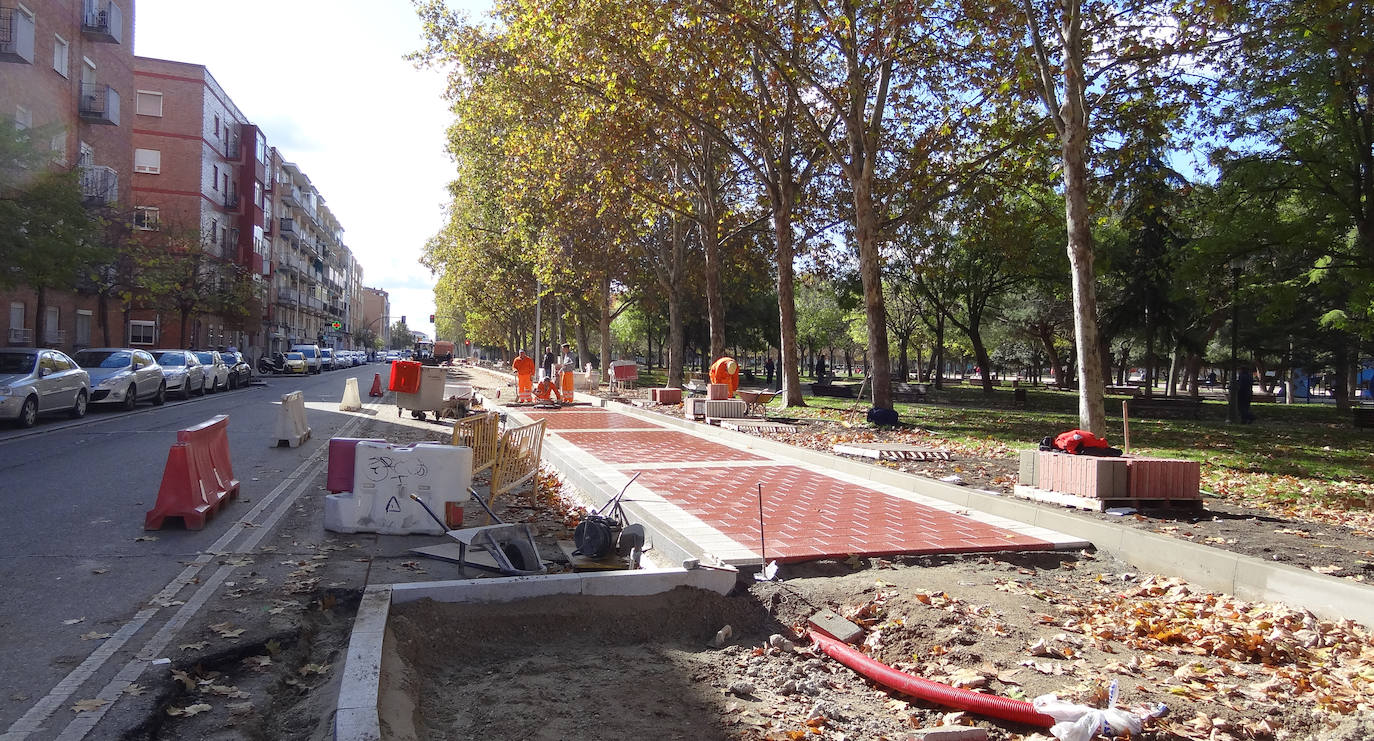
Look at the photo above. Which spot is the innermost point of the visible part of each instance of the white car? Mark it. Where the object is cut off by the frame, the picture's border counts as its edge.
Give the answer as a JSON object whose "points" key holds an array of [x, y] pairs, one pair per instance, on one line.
{"points": [[181, 369], [123, 375], [312, 357], [216, 372], [35, 381]]}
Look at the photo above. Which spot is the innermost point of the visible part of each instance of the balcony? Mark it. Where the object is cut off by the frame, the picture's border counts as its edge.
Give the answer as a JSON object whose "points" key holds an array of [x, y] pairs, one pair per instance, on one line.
{"points": [[54, 337], [103, 21], [16, 36], [291, 196], [99, 185], [231, 201], [99, 103], [233, 150], [288, 225], [21, 336]]}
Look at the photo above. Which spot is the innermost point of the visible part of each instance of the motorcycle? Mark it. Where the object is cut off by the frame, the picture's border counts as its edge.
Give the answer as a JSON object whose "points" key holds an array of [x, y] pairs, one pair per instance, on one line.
{"points": [[272, 364]]}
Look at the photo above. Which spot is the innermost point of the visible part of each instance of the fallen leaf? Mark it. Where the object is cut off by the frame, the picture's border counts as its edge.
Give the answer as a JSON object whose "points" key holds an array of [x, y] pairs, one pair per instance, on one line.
{"points": [[135, 689], [94, 636], [145, 538], [197, 646], [190, 710], [74, 621], [309, 669], [92, 704]]}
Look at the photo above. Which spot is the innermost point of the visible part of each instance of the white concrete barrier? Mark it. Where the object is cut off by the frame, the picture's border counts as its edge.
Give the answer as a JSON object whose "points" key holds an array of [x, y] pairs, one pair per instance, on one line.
{"points": [[384, 477], [291, 427], [351, 401]]}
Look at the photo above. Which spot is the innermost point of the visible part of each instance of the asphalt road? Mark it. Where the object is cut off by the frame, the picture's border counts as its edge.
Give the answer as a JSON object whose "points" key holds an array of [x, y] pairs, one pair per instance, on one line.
{"points": [[75, 560]]}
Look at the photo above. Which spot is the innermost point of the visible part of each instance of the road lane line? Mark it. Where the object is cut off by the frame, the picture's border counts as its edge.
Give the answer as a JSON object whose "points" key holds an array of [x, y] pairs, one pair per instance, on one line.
{"points": [[32, 721]]}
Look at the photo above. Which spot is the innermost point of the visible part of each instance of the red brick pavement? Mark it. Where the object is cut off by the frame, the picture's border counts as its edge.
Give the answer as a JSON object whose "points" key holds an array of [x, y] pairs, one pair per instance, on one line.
{"points": [[806, 515]]}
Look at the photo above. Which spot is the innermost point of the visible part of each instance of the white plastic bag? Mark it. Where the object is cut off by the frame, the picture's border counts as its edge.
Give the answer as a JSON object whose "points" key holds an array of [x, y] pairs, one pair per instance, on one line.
{"points": [[1082, 723]]}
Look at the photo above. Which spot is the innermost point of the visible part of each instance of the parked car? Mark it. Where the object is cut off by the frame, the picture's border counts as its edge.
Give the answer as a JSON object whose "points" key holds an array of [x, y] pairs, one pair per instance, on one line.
{"points": [[123, 375], [181, 370], [36, 381], [392, 356], [312, 357], [240, 373], [327, 358], [296, 363], [216, 372]]}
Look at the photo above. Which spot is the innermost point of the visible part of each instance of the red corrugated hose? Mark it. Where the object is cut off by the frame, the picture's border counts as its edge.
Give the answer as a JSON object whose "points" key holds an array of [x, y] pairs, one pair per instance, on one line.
{"points": [[1017, 711]]}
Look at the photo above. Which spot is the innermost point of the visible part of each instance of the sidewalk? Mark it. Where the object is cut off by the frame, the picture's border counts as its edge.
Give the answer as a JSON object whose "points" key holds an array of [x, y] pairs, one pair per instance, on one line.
{"points": [[709, 493]]}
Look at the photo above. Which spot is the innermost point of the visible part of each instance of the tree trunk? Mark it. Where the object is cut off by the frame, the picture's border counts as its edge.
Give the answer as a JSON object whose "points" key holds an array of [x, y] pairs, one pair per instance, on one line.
{"points": [[939, 360], [980, 351], [788, 376], [708, 218], [866, 234], [605, 324], [40, 319], [1046, 336]]}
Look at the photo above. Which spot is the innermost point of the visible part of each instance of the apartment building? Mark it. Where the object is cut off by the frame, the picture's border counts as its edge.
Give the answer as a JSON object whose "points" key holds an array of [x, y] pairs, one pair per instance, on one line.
{"points": [[376, 313], [66, 67], [201, 173], [314, 275]]}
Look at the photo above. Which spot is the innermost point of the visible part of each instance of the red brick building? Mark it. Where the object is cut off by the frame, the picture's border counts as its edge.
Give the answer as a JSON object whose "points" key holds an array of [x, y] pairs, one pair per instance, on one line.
{"points": [[200, 168], [68, 65]]}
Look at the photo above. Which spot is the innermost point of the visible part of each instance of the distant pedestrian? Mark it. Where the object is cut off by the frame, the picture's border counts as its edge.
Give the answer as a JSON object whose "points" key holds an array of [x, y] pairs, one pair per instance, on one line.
{"points": [[1211, 379], [549, 360], [1245, 392], [768, 372], [820, 367]]}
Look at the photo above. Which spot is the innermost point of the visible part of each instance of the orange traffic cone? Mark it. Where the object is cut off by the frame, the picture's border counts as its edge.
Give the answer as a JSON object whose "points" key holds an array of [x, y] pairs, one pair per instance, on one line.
{"points": [[376, 385]]}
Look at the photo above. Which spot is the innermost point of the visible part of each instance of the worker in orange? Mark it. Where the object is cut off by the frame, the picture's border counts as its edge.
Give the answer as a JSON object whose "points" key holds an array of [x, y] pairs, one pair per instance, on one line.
{"points": [[563, 371], [546, 391], [524, 376], [725, 370]]}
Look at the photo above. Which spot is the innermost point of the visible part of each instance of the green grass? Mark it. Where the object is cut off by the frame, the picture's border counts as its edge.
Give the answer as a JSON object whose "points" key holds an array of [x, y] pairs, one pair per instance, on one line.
{"points": [[1293, 455]]}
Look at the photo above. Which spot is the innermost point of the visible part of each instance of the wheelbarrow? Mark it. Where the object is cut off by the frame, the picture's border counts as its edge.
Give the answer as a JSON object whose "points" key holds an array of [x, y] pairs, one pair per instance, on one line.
{"points": [[755, 401]]}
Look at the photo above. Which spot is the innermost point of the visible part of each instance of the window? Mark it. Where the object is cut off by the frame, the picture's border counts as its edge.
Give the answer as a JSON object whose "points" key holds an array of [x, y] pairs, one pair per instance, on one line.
{"points": [[60, 52], [148, 160], [142, 333], [217, 126], [83, 328], [214, 178], [58, 145], [257, 194], [61, 362], [23, 118], [147, 217], [148, 103]]}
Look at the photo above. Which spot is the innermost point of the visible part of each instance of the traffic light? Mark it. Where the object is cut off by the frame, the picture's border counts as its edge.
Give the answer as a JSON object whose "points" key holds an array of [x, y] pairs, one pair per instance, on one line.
{"points": [[403, 319], [467, 343], [431, 318]]}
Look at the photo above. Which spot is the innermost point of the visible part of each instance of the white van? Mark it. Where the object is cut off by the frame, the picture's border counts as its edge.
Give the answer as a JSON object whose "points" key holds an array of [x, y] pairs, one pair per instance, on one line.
{"points": [[313, 362]]}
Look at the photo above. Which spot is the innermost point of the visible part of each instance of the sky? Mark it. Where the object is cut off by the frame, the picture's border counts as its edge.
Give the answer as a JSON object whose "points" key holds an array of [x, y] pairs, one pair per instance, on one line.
{"points": [[328, 83]]}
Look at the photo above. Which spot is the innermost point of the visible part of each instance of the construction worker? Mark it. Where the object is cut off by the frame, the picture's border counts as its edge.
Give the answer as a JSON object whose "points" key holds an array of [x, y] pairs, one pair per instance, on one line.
{"points": [[726, 371], [567, 363], [546, 391], [524, 376]]}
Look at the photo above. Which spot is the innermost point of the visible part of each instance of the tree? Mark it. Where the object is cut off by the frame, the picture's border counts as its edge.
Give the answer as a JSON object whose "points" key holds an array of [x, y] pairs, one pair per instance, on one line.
{"points": [[401, 336], [1124, 63], [48, 239]]}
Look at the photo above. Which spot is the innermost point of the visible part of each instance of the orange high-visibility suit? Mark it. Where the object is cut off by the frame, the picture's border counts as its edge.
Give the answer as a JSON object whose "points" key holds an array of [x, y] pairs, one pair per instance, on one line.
{"points": [[725, 370], [545, 391], [524, 376]]}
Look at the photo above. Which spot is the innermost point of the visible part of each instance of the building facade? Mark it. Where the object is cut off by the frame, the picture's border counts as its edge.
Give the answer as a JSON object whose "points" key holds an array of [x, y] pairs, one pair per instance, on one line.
{"points": [[66, 69], [376, 314], [200, 173], [313, 273]]}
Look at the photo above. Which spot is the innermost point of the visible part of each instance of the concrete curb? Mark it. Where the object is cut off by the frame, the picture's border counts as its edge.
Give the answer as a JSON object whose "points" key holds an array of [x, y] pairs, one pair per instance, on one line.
{"points": [[1243, 576], [356, 716]]}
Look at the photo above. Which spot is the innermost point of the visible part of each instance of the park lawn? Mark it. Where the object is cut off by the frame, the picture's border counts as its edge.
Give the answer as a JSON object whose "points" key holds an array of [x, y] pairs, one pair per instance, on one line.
{"points": [[1292, 457]]}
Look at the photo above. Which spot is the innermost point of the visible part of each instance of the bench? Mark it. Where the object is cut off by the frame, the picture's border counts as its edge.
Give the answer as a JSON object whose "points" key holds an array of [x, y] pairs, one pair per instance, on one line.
{"points": [[827, 389], [909, 392], [1165, 407], [1124, 390]]}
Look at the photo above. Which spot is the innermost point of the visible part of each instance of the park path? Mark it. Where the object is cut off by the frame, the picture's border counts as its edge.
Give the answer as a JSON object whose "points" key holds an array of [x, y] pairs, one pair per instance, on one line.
{"points": [[710, 492]]}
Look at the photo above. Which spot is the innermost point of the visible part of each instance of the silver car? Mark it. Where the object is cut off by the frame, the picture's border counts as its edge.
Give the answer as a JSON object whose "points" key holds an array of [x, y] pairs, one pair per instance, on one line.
{"points": [[123, 375], [181, 370], [36, 381], [216, 372]]}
